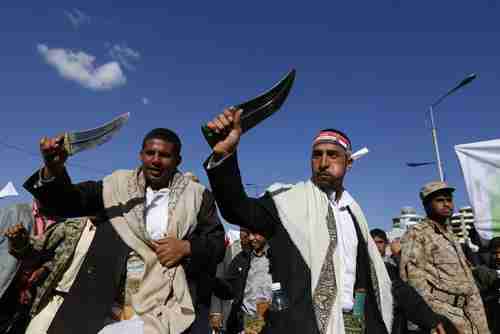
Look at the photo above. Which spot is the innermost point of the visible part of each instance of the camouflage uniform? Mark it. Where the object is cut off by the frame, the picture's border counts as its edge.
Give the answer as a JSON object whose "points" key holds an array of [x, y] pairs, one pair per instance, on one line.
{"points": [[432, 261], [57, 247]]}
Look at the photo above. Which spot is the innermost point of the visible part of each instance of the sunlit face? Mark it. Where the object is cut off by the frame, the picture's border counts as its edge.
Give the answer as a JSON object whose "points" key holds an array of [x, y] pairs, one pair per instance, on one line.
{"points": [[496, 256], [257, 241], [329, 163], [396, 246], [244, 239], [441, 206], [159, 162], [381, 245]]}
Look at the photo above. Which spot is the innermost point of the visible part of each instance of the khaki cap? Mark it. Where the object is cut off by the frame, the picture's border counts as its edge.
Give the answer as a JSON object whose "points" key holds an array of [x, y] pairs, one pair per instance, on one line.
{"points": [[432, 187]]}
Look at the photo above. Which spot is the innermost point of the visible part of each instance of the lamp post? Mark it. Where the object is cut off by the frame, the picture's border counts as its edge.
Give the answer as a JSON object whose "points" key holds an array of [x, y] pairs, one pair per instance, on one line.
{"points": [[420, 164], [461, 84]]}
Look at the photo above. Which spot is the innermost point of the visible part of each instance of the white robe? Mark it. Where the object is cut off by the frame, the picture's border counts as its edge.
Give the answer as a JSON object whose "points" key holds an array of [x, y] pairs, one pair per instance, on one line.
{"points": [[303, 210]]}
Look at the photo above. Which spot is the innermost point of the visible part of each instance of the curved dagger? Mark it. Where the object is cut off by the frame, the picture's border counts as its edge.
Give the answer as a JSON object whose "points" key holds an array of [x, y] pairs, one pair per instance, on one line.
{"points": [[259, 108], [78, 141]]}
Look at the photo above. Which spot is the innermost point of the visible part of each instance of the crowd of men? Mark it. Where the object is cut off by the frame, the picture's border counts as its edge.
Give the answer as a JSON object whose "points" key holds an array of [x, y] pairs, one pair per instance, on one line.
{"points": [[144, 251]]}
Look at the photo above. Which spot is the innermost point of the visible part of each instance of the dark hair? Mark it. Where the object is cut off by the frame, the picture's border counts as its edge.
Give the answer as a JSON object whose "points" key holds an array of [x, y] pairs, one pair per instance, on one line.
{"points": [[376, 232], [494, 243], [163, 134], [339, 132], [245, 230]]}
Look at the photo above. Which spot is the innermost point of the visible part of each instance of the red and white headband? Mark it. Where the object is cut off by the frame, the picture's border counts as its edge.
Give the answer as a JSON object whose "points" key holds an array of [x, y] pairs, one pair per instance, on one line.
{"points": [[332, 137]]}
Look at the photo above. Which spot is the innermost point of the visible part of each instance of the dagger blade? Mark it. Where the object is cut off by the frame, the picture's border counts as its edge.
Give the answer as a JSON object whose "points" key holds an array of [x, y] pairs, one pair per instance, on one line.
{"points": [[78, 141], [259, 108]]}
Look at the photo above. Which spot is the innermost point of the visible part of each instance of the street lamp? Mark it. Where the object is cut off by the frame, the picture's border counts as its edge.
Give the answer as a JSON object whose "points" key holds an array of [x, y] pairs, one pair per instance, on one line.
{"points": [[461, 84], [420, 164]]}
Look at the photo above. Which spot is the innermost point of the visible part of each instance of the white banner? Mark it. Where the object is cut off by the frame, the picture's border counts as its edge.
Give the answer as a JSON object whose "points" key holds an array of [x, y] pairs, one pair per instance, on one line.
{"points": [[480, 164]]}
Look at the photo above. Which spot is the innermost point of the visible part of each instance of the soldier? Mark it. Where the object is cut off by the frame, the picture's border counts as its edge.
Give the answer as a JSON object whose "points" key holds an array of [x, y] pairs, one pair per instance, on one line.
{"points": [[433, 262]]}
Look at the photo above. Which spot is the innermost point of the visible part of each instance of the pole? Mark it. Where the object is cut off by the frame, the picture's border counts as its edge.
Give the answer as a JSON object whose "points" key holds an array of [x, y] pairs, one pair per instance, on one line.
{"points": [[436, 146], [461, 84]]}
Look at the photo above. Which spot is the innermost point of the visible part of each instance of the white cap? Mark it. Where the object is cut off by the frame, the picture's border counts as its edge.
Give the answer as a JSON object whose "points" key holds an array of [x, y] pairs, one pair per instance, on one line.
{"points": [[276, 286]]}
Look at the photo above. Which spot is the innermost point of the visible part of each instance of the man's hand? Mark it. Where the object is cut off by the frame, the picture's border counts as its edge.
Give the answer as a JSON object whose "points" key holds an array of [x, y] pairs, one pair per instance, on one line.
{"points": [[440, 329], [127, 313], [445, 326], [18, 236], [250, 331], [215, 320], [228, 125], [54, 155], [171, 251], [25, 297], [37, 275]]}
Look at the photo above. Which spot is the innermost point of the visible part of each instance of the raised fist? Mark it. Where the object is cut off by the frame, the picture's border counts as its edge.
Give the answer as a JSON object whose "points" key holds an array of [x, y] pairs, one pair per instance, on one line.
{"points": [[18, 236], [228, 125], [53, 153]]}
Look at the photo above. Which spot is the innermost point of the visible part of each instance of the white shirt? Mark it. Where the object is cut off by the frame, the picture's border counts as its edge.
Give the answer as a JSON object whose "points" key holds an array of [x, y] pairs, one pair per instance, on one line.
{"points": [[156, 212], [347, 245]]}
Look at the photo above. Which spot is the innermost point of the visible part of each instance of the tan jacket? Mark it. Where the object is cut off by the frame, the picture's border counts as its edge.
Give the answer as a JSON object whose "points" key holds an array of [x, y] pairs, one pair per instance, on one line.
{"points": [[432, 261], [164, 300]]}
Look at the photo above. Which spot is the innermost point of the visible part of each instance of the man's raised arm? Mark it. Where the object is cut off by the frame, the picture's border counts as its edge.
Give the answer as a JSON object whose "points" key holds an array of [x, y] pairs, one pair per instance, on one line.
{"points": [[52, 185], [225, 179]]}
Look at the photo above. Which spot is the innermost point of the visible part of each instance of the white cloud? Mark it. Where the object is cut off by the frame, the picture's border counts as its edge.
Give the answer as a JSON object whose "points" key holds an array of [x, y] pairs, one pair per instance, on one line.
{"points": [[80, 67], [77, 17], [124, 55], [145, 101]]}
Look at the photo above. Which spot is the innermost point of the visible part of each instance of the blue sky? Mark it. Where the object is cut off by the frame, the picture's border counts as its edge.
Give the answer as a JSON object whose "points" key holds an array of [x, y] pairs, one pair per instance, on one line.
{"points": [[369, 68]]}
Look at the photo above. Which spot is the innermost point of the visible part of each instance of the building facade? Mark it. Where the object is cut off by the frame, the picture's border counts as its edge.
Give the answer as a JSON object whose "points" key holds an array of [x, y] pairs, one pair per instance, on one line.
{"points": [[407, 218], [462, 222]]}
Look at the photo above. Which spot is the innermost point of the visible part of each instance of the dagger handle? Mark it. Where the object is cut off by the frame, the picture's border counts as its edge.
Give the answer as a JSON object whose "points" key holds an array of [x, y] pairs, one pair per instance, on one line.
{"points": [[211, 136], [67, 144]]}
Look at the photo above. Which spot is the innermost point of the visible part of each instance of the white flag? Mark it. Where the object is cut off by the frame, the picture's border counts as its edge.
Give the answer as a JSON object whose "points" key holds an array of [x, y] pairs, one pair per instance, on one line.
{"points": [[480, 164], [8, 190]]}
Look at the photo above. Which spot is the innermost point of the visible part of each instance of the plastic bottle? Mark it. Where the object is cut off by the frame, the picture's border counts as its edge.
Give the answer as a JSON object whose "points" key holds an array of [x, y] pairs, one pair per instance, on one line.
{"points": [[280, 300], [359, 303]]}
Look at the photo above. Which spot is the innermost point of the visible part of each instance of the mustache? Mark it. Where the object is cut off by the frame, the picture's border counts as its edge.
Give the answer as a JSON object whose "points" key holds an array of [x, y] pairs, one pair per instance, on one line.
{"points": [[324, 174]]}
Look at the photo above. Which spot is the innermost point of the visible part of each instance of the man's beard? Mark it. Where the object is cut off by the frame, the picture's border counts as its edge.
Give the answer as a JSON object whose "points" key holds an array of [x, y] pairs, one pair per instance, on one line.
{"points": [[327, 186], [162, 181]]}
